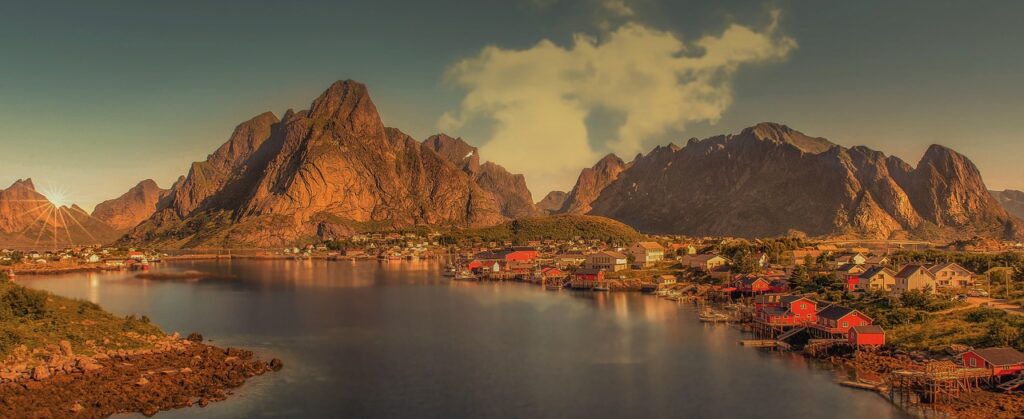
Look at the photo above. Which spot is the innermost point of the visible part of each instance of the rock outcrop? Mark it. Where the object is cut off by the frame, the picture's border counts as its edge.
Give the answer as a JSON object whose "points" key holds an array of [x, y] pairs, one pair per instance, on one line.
{"points": [[770, 180], [552, 202], [591, 183], [508, 189], [132, 208], [1012, 201], [329, 171], [28, 218]]}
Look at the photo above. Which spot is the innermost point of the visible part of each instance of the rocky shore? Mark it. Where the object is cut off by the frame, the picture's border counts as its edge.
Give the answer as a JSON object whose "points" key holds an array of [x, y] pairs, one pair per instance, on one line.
{"points": [[872, 367], [174, 373]]}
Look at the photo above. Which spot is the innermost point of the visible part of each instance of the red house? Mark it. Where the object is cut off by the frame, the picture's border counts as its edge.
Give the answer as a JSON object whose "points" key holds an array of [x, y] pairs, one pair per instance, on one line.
{"points": [[838, 320], [587, 278], [870, 336], [752, 285], [1002, 361], [791, 310]]}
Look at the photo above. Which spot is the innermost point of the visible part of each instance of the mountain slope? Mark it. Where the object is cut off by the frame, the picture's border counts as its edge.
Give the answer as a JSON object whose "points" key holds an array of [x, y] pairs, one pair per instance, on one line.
{"points": [[591, 182], [508, 189], [325, 172], [132, 208], [29, 219], [552, 202], [1012, 201], [769, 180]]}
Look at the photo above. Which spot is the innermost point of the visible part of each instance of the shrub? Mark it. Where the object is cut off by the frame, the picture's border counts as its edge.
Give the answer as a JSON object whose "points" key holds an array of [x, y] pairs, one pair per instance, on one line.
{"points": [[22, 302]]}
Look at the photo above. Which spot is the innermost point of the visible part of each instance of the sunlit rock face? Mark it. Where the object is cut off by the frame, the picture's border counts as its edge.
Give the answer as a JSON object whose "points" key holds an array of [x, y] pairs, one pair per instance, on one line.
{"points": [[132, 208], [330, 171], [29, 219], [771, 180]]}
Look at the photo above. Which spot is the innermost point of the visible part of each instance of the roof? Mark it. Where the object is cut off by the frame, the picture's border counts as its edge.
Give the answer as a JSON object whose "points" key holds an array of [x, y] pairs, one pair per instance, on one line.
{"points": [[848, 267], [775, 311], [876, 270], [836, 312], [941, 266], [789, 299], [1000, 356], [615, 255], [869, 329], [650, 245], [910, 269], [587, 272]]}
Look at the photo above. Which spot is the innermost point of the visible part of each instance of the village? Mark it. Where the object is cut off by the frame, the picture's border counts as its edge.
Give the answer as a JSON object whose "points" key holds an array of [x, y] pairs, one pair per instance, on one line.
{"points": [[842, 301]]}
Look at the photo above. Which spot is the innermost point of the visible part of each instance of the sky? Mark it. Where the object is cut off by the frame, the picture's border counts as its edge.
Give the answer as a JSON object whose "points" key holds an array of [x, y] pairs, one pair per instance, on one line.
{"points": [[97, 96]]}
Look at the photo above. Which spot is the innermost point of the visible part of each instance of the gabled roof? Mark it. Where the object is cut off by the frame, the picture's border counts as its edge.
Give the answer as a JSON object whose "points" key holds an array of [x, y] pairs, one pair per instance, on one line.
{"points": [[848, 267], [587, 272], [869, 329], [836, 312], [1000, 356], [610, 253], [790, 299], [870, 273], [910, 269], [941, 266], [650, 245]]}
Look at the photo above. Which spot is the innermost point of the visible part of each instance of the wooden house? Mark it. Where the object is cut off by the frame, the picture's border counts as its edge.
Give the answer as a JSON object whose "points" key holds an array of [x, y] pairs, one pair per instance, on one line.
{"points": [[1002, 361], [587, 278], [871, 336]]}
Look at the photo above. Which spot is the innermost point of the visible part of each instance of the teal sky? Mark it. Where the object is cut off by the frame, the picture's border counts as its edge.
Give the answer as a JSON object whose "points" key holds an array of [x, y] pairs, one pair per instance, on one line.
{"points": [[96, 96]]}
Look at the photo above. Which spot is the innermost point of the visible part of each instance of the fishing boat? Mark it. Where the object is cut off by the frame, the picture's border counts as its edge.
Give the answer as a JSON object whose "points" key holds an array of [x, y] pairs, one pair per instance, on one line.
{"points": [[709, 316], [450, 271], [554, 286], [465, 276], [601, 288]]}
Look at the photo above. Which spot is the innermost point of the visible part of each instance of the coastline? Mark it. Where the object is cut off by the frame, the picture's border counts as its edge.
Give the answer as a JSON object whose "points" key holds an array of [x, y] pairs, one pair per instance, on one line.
{"points": [[182, 373]]}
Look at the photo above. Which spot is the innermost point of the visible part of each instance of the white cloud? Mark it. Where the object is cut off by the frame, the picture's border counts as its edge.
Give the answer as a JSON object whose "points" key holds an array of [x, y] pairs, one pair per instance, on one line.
{"points": [[539, 98], [618, 7]]}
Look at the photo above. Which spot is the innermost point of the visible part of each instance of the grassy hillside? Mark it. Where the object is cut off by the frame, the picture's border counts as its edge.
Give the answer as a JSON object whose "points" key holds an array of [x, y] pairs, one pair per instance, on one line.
{"points": [[556, 227], [36, 319]]}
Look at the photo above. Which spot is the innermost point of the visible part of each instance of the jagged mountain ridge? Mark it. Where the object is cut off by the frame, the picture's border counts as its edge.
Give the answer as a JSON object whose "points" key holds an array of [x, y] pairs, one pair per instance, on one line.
{"points": [[29, 219], [131, 208], [770, 180], [329, 172], [1012, 201]]}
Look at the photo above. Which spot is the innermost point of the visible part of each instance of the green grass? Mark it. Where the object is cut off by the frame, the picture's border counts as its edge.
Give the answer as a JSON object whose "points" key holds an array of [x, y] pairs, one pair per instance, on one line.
{"points": [[37, 319], [555, 227]]}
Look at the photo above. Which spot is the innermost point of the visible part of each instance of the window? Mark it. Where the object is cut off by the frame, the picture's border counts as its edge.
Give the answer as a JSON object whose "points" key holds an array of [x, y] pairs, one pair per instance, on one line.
{"points": [[846, 324], [803, 306], [974, 363]]}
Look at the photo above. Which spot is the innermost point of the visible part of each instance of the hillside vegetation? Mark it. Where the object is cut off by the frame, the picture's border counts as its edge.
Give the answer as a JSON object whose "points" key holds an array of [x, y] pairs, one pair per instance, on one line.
{"points": [[555, 227]]}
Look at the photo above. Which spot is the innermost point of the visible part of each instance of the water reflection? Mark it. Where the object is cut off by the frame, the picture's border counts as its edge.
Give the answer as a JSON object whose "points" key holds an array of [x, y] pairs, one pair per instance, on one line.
{"points": [[395, 339]]}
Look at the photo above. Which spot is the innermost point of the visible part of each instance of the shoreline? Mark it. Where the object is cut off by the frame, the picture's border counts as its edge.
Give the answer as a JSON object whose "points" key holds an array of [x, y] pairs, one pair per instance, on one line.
{"points": [[178, 373]]}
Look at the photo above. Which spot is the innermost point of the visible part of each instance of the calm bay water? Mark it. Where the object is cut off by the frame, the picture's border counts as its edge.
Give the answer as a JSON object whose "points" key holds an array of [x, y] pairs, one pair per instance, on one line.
{"points": [[396, 340]]}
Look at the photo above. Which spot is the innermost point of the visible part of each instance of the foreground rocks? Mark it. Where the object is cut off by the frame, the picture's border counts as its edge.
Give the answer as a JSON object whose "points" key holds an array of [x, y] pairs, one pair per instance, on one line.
{"points": [[179, 373], [875, 367]]}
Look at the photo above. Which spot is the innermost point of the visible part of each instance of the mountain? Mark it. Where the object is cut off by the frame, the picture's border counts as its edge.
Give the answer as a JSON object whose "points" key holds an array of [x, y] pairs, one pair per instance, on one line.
{"points": [[771, 180], [592, 182], [508, 189], [29, 219], [326, 172], [552, 202], [1011, 200], [132, 208]]}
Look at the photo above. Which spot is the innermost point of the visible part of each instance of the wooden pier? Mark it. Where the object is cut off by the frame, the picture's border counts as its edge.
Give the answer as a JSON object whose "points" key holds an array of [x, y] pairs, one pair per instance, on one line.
{"points": [[940, 382]]}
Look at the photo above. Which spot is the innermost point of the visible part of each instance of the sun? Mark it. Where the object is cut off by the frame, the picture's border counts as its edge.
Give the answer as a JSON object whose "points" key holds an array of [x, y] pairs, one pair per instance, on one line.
{"points": [[57, 196]]}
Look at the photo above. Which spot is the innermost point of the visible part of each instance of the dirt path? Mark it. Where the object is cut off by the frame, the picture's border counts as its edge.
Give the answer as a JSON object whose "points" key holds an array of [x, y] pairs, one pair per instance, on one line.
{"points": [[974, 302]]}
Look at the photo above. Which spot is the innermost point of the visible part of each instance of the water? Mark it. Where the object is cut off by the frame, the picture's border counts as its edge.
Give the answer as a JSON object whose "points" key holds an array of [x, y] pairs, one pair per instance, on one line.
{"points": [[396, 340]]}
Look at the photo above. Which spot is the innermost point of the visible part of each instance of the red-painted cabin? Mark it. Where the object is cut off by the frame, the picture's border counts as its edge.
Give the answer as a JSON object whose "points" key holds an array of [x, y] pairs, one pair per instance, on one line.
{"points": [[752, 285], [1002, 361], [836, 319], [870, 336], [791, 310], [587, 278]]}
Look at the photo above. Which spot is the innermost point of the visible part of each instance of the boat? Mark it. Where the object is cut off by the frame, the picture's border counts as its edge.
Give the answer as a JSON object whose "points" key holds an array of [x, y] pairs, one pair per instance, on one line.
{"points": [[712, 317], [465, 276], [554, 286], [601, 288]]}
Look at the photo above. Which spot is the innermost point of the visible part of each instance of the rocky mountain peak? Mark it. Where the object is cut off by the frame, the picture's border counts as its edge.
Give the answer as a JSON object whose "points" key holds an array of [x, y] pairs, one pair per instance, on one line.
{"points": [[782, 134], [592, 182], [455, 150], [131, 208], [348, 103]]}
